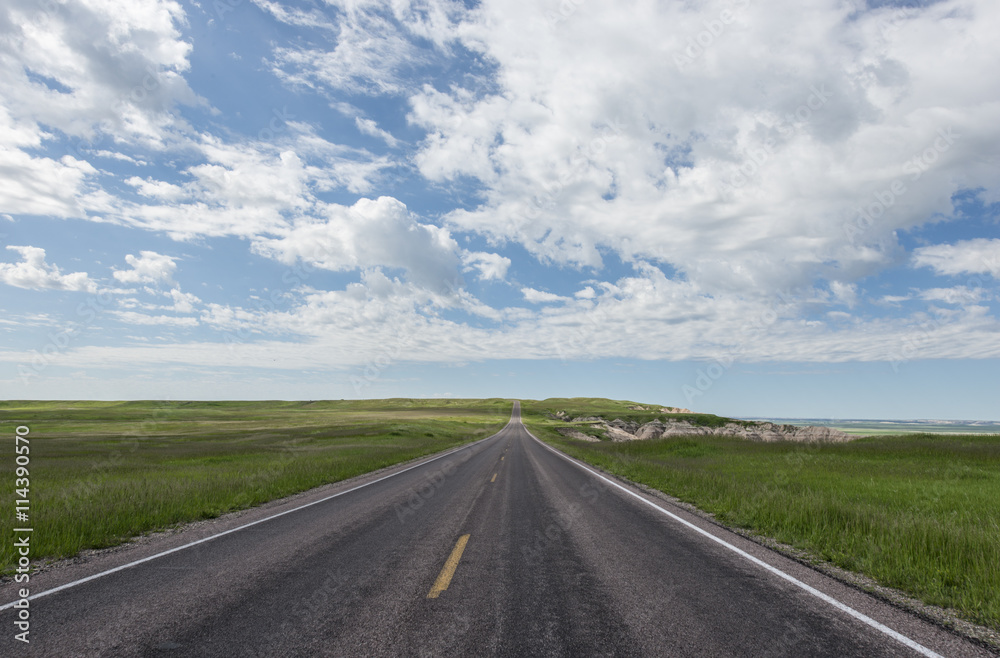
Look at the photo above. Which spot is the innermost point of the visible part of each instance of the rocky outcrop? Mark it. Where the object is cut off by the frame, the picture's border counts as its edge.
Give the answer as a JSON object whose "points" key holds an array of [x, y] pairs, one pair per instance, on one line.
{"points": [[751, 431], [575, 434], [618, 433], [621, 430]]}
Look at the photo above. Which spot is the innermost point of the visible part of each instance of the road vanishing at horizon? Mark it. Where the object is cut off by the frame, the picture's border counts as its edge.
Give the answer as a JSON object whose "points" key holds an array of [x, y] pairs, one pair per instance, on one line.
{"points": [[504, 547]]}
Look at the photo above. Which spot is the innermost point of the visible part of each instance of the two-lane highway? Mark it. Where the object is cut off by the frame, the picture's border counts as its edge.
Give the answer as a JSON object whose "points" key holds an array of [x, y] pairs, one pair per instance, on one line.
{"points": [[503, 548]]}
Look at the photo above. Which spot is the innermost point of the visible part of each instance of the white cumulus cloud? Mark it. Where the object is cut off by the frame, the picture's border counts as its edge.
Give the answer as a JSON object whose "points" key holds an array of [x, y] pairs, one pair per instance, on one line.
{"points": [[371, 233], [491, 267], [791, 148], [34, 273], [147, 267]]}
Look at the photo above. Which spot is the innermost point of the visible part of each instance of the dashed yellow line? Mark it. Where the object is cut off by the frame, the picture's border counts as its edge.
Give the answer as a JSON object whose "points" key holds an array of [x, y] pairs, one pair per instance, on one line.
{"points": [[444, 578], [494, 478]]}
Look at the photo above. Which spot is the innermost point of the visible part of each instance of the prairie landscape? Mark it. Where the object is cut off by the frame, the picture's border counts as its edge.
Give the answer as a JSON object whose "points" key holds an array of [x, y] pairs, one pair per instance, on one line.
{"points": [[108, 471], [915, 512]]}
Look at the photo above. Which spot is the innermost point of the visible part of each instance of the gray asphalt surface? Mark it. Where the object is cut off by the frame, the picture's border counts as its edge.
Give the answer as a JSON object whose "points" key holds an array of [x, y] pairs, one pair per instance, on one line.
{"points": [[558, 563]]}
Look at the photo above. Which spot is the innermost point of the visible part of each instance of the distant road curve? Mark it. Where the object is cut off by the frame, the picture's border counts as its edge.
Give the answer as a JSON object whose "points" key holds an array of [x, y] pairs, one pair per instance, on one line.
{"points": [[505, 547]]}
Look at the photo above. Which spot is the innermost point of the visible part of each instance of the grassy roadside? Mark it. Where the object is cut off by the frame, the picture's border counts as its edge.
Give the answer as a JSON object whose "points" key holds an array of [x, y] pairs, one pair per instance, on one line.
{"points": [[102, 472], [918, 513]]}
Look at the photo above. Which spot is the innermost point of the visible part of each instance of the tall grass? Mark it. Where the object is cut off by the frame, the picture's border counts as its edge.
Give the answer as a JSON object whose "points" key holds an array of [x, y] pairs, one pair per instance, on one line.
{"points": [[102, 473], [920, 513]]}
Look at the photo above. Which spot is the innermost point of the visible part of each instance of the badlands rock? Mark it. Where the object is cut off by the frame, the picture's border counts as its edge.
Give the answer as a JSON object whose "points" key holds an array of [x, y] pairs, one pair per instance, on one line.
{"points": [[621, 430], [574, 434]]}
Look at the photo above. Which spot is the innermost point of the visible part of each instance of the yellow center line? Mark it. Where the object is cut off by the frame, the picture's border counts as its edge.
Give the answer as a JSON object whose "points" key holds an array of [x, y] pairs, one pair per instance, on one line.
{"points": [[444, 578], [501, 459], [494, 478]]}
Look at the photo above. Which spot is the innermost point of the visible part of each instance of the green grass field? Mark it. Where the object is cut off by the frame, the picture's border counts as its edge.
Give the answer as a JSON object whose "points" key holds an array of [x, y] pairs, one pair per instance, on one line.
{"points": [[920, 513], [102, 472], [915, 512]]}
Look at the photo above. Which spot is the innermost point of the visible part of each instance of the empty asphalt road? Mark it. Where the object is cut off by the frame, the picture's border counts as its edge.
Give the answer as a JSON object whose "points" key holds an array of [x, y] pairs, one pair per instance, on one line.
{"points": [[501, 548]]}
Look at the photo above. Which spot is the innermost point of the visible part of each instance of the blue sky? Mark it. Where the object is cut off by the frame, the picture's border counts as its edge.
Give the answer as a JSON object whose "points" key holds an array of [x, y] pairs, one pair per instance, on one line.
{"points": [[744, 208]]}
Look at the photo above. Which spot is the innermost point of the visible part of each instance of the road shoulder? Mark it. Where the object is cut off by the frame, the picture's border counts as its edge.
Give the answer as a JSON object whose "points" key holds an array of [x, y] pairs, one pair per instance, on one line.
{"points": [[889, 606]]}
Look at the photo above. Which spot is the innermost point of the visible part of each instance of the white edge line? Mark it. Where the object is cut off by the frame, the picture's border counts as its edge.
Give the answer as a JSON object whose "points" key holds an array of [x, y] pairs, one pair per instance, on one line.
{"points": [[244, 526], [778, 572]]}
